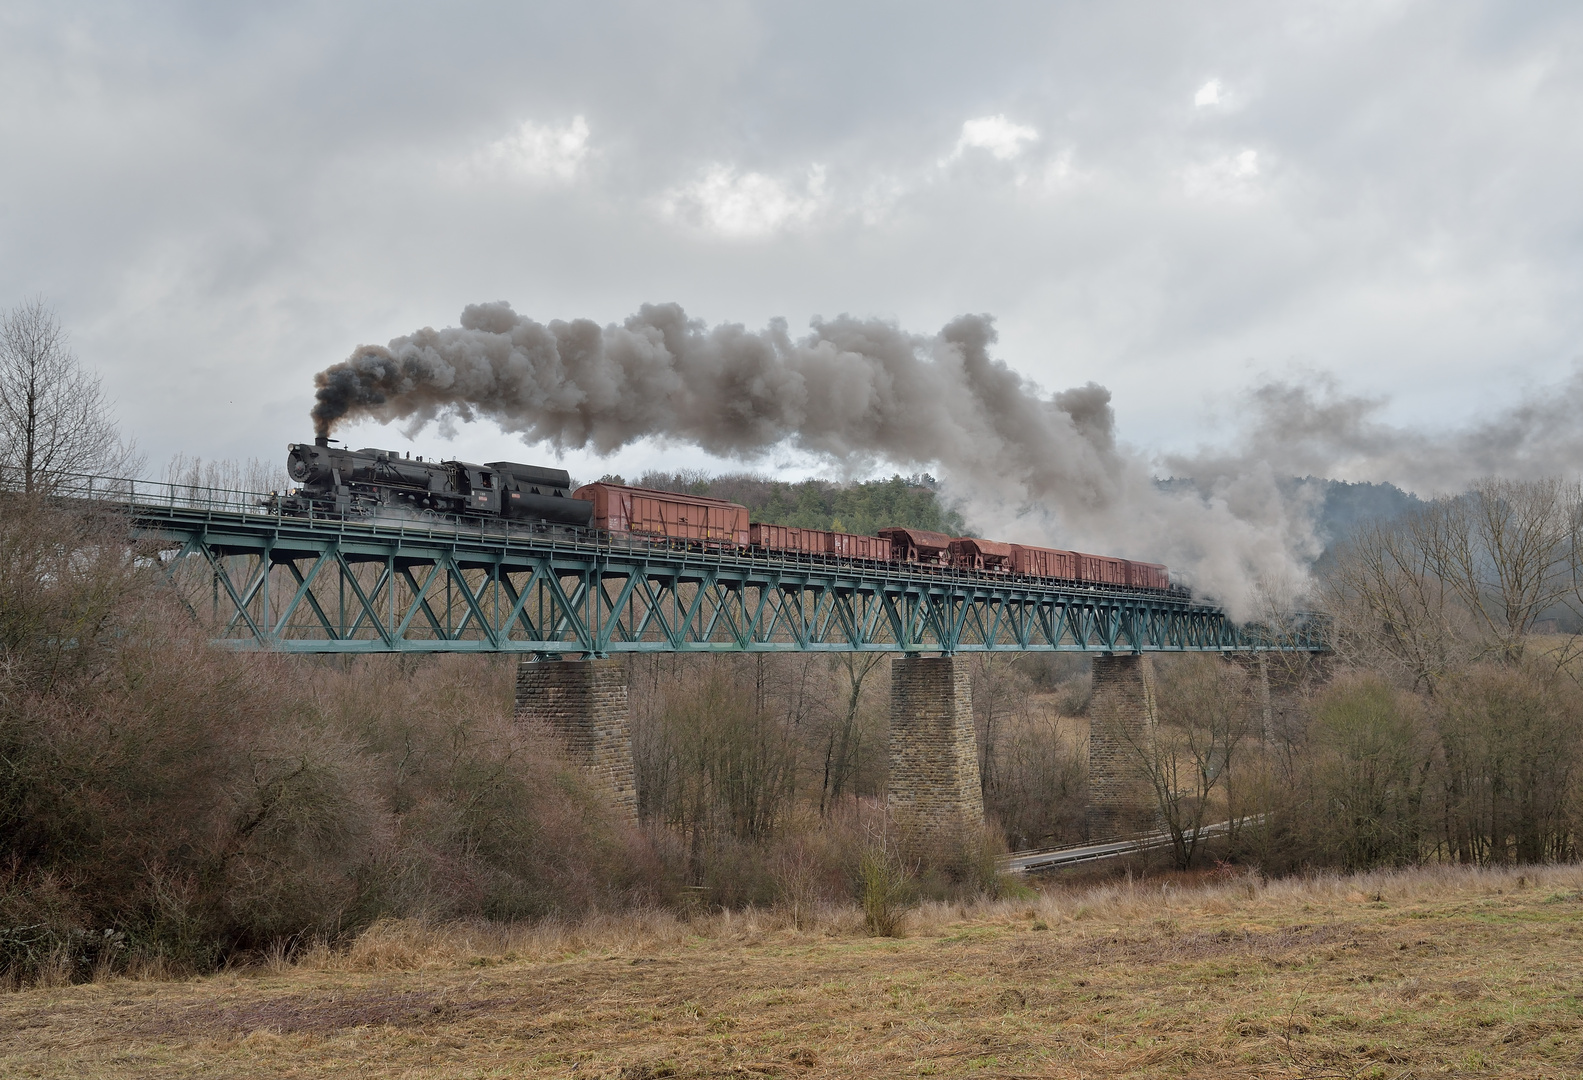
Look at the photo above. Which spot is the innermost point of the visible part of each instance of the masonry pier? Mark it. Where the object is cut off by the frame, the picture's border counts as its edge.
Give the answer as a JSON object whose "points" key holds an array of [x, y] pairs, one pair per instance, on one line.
{"points": [[584, 702], [1121, 716], [934, 794]]}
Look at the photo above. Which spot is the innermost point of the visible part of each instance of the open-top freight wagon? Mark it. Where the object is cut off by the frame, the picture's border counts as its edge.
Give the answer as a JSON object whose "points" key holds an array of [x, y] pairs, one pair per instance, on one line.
{"points": [[667, 515]]}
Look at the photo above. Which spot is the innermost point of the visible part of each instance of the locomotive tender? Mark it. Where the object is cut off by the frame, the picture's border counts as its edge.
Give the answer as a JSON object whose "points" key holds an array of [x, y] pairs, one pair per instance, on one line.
{"points": [[349, 483]]}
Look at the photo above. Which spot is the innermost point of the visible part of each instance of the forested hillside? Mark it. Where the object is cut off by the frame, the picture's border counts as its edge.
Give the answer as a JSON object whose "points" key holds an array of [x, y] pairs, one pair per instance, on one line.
{"points": [[1344, 506]]}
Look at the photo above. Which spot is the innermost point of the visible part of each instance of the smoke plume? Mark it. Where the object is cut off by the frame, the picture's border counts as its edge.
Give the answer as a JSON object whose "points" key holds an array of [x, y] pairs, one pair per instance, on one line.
{"points": [[1029, 468], [1313, 427]]}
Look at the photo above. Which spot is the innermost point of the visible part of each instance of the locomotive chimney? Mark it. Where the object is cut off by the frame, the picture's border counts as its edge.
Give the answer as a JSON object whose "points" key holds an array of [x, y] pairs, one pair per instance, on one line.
{"points": [[321, 440]]}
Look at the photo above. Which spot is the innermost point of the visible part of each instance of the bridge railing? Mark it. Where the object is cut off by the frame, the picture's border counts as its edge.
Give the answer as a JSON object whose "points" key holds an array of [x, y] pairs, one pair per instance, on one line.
{"points": [[135, 492], [141, 496]]}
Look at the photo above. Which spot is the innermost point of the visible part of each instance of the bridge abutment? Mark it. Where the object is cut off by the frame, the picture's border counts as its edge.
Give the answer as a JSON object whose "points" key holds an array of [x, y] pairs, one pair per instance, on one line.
{"points": [[584, 702], [934, 795], [1121, 716]]}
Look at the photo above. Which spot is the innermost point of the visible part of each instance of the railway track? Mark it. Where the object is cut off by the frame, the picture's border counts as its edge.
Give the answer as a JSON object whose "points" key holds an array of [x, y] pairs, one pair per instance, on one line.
{"points": [[1024, 862]]}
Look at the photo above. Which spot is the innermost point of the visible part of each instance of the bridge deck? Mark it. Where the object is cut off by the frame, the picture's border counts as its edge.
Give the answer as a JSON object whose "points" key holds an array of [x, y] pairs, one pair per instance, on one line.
{"points": [[271, 581]]}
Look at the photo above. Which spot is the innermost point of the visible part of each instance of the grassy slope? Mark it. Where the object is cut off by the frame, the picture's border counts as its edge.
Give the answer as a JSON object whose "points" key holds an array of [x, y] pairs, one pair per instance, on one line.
{"points": [[1446, 972]]}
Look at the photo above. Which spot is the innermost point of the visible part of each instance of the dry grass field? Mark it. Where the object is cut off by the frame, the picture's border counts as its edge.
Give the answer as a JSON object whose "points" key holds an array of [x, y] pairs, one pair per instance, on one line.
{"points": [[1431, 973]]}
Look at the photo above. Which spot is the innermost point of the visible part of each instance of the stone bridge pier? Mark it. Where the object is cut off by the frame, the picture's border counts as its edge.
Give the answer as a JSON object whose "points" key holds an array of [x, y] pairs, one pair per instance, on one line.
{"points": [[584, 702], [1121, 719], [934, 794]]}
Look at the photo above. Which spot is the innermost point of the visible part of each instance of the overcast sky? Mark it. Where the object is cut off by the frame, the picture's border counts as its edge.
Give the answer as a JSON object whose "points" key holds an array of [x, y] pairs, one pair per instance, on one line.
{"points": [[1175, 200]]}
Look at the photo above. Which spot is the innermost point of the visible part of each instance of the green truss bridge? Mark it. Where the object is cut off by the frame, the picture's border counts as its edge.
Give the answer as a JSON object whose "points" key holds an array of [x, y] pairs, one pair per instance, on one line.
{"points": [[268, 580]]}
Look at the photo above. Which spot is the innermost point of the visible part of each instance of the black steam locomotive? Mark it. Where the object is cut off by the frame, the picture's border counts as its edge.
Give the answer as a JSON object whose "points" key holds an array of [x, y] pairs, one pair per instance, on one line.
{"points": [[366, 482]]}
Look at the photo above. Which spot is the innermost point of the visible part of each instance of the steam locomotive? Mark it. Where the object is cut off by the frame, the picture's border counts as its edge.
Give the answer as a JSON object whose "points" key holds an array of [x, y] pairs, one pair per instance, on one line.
{"points": [[352, 483], [369, 482]]}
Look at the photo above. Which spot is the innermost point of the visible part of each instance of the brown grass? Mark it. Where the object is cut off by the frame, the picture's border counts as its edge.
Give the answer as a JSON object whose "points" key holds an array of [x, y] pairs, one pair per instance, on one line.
{"points": [[1443, 972]]}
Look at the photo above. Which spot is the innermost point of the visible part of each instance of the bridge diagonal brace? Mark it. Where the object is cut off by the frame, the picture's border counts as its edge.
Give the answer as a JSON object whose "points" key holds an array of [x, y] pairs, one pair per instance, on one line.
{"points": [[474, 606], [653, 611], [305, 591], [899, 622], [873, 613], [569, 619], [421, 602], [997, 605], [841, 608], [936, 621], [780, 598], [825, 614], [791, 609], [366, 601], [756, 621], [957, 620], [685, 623], [190, 546], [608, 629], [519, 602], [722, 598], [973, 619], [240, 605]]}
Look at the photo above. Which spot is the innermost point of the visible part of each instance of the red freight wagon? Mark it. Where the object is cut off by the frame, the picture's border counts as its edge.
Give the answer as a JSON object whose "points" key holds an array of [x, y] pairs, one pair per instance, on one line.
{"points": [[787, 538], [918, 545], [852, 546], [1044, 562], [1101, 570], [971, 553], [666, 514], [1148, 575]]}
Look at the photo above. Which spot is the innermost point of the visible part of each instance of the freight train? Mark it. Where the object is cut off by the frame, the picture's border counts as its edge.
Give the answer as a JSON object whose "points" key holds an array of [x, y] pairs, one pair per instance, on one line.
{"points": [[364, 483]]}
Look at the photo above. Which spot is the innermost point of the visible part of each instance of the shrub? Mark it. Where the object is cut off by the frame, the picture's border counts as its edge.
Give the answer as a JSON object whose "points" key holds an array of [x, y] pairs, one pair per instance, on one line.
{"points": [[885, 889]]}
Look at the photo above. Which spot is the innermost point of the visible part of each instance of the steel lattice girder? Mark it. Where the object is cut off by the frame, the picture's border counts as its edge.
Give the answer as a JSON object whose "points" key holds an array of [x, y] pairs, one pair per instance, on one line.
{"points": [[327, 587]]}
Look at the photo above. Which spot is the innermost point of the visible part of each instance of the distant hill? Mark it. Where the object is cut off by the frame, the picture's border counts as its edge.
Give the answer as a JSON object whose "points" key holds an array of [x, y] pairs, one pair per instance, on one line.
{"points": [[863, 507], [1343, 506], [1346, 506]]}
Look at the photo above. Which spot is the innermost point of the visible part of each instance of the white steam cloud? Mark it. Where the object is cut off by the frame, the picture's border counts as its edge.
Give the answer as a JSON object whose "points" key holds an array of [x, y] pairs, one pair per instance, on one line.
{"points": [[1314, 428]]}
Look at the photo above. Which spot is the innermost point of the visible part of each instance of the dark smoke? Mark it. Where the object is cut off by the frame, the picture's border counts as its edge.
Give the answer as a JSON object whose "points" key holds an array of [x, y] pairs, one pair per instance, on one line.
{"points": [[858, 392]]}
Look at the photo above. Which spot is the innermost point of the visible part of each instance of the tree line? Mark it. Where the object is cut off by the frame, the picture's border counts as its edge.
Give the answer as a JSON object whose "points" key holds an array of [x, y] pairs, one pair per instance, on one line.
{"points": [[863, 507]]}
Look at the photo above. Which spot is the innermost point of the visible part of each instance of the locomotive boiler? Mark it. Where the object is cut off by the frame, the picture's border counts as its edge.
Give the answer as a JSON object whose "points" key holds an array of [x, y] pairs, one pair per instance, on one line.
{"points": [[333, 480]]}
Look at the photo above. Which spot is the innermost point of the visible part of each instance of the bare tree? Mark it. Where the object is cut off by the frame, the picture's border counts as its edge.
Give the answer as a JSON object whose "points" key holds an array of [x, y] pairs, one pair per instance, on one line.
{"points": [[844, 739], [1187, 756], [996, 693], [1505, 550], [1463, 580], [54, 416], [1391, 608]]}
